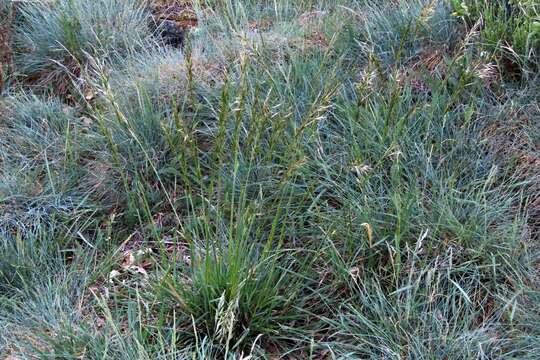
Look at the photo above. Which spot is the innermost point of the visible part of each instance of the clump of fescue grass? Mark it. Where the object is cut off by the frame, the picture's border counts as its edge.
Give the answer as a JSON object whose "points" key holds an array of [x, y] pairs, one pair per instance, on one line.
{"points": [[398, 32], [43, 149], [54, 38], [239, 289], [241, 285]]}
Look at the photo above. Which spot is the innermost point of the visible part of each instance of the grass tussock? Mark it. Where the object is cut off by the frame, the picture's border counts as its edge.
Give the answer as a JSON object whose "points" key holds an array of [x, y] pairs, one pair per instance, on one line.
{"points": [[306, 180], [54, 39]]}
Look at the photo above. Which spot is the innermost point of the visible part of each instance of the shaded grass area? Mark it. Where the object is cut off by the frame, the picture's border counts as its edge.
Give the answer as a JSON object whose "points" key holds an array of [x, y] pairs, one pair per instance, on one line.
{"points": [[304, 180]]}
